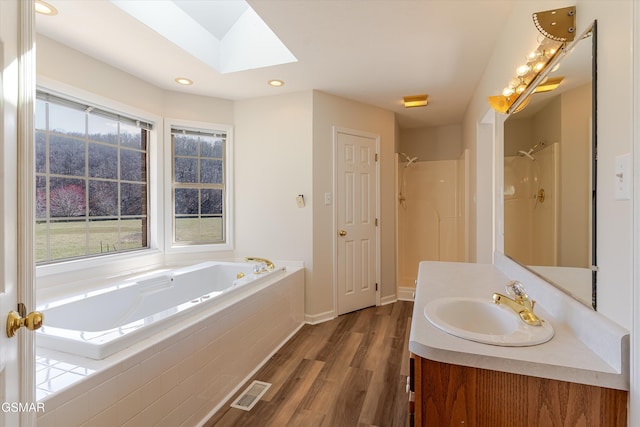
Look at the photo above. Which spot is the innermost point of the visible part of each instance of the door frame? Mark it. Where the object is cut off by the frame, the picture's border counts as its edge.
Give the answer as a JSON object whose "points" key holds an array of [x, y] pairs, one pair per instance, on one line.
{"points": [[335, 131]]}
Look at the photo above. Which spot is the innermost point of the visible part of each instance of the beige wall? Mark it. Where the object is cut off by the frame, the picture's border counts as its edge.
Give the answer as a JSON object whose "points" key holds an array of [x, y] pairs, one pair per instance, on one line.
{"points": [[329, 111], [433, 143], [615, 124], [575, 187]]}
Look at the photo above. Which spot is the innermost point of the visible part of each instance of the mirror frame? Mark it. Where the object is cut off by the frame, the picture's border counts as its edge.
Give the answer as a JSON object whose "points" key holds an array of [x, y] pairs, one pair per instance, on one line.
{"points": [[590, 31]]}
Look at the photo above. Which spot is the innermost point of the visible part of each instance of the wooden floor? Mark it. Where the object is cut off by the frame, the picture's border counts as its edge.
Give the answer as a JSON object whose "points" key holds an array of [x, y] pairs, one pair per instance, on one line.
{"points": [[350, 371]]}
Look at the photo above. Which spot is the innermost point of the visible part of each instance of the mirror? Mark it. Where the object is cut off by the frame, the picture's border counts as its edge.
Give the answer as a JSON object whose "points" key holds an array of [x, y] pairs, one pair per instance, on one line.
{"points": [[549, 176]]}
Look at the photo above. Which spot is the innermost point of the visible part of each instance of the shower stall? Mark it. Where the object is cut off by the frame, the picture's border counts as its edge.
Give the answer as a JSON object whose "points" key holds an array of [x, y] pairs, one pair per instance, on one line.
{"points": [[430, 212], [530, 204]]}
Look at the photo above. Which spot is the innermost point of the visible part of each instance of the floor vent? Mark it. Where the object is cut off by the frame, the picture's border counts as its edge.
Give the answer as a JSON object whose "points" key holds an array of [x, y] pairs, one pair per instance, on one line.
{"points": [[251, 395]]}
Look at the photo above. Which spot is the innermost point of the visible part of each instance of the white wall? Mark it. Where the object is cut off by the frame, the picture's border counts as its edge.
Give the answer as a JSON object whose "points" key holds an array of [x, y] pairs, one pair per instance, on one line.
{"points": [[614, 245], [273, 164]]}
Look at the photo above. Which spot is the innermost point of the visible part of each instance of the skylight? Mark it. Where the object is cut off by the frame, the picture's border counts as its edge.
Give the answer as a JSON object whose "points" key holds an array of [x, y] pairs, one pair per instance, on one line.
{"points": [[228, 36]]}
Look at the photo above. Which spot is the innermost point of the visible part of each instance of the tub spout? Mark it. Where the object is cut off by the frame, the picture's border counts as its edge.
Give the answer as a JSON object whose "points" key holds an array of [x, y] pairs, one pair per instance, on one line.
{"points": [[268, 265]]}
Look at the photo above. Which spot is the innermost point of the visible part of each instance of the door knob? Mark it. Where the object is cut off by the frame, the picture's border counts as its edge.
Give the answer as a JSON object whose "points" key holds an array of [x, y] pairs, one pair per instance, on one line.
{"points": [[342, 233], [32, 321]]}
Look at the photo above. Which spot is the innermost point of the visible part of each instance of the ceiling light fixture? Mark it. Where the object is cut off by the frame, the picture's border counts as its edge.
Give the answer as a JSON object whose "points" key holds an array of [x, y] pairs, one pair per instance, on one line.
{"points": [[416, 101], [45, 8], [558, 28], [276, 83], [184, 81]]}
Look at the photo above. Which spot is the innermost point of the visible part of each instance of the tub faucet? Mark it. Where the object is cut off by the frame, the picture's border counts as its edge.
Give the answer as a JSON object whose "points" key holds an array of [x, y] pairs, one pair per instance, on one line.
{"points": [[268, 265], [520, 303]]}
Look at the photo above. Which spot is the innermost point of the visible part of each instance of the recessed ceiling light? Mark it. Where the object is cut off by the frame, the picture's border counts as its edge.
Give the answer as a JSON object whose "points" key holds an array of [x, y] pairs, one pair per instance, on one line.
{"points": [[276, 83], [45, 8], [184, 81]]}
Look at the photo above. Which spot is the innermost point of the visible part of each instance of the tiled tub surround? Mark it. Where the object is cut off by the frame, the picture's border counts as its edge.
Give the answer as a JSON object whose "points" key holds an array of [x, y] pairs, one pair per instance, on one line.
{"points": [[587, 348], [180, 375]]}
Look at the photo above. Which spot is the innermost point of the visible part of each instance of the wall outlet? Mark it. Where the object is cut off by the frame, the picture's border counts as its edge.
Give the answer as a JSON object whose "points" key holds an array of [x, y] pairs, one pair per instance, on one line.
{"points": [[623, 177], [328, 199]]}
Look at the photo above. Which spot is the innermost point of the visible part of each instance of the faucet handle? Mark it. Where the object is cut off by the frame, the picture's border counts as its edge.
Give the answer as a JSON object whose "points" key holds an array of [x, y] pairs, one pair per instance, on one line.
{"points": [[515, 289]]}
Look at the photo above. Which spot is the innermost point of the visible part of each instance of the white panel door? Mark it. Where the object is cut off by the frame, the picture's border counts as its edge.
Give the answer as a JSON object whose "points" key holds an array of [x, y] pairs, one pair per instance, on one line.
{"points": [[356, 221], [17, 86], [9, 376]]}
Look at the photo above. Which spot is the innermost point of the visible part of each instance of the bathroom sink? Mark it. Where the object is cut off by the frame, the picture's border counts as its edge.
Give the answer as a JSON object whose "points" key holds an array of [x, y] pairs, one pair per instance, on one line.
{"points": [[480, 320]]}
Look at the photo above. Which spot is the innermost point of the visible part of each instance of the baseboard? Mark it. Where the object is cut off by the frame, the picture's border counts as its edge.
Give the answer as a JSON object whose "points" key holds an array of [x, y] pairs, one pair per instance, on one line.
{"points": [[406, 294], [390, 299], [314, 319]]}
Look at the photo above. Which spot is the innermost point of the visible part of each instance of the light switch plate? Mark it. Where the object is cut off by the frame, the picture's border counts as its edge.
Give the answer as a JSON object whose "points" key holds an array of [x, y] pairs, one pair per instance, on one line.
{"points": [[300, 200], [623, 177]]}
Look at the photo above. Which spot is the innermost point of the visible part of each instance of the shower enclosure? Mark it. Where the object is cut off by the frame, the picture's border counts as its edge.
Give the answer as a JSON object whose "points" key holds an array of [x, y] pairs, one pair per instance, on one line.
{"points": [[530, 205], [430, 207]]}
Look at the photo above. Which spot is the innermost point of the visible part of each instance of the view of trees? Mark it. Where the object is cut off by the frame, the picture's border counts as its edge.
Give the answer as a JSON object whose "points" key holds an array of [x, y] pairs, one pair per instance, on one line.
{"points": [[198, 176], [91, 182], [74, 163]]}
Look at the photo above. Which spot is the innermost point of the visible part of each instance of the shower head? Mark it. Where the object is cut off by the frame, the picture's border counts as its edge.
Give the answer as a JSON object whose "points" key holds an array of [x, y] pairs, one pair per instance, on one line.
{"points": [[522, 153], [408, 159]]}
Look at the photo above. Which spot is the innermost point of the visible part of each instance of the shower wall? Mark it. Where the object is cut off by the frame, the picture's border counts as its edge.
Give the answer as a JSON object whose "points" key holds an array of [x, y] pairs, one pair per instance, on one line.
{"points": [[430, 215], [531, 222]]}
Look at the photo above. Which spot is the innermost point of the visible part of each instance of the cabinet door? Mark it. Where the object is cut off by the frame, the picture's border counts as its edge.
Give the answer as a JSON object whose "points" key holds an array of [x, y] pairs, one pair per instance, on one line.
{"points": [[448, 395]]}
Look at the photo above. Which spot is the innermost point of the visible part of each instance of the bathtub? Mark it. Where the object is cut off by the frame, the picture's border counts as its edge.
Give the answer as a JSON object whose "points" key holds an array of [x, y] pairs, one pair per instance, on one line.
{"points": [[103, 322], [185, 371]]}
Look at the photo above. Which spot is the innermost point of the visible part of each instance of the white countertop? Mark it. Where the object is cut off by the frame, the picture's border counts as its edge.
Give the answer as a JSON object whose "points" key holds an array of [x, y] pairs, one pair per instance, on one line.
{"points": [[571, 355]]}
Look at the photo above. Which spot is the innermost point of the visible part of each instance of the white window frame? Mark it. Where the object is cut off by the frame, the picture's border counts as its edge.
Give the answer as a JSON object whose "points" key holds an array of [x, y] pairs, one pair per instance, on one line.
{"points": [[228, 213], [68, 271]]}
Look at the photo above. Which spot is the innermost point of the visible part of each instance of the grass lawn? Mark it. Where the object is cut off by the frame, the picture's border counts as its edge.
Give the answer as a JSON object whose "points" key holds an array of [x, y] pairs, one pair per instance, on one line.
{"points": [[78, 238], [72, 239]]}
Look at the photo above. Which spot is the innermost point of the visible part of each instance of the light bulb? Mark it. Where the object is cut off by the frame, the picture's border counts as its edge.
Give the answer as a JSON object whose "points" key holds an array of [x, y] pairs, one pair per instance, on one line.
{"points": [[508, 91], [523, 70]]}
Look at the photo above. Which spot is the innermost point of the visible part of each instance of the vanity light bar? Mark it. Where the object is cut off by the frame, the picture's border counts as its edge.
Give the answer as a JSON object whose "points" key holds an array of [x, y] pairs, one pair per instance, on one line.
{"points": [[517, 94]]}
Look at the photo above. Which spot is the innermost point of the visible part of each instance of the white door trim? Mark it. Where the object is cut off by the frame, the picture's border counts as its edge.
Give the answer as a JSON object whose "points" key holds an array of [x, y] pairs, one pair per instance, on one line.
{"points": [[335, 131], [26, 201]]}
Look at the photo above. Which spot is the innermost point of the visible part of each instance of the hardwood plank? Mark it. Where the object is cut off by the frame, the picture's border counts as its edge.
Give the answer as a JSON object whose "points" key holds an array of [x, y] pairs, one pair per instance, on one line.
{"points": [[337, 373], [346, 410]]}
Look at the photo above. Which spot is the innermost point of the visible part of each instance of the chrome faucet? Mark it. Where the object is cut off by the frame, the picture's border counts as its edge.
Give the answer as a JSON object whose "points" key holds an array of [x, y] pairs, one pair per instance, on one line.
{"points": [[264, 264], [520, 303]]}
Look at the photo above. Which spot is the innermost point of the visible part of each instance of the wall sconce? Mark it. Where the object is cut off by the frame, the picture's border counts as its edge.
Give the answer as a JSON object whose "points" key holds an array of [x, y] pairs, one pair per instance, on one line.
{"points": [[415, 101], [558, 28]]}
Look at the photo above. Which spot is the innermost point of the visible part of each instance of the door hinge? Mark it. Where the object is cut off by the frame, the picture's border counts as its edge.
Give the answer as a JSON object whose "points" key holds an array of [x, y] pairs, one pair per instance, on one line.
{"points": [[376, 222], [376, 286], [376, 157]]}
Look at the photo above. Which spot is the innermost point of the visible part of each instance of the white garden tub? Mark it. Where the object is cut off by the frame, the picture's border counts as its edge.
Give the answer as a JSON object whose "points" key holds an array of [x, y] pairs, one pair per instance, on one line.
{"points": [[103, 322]]}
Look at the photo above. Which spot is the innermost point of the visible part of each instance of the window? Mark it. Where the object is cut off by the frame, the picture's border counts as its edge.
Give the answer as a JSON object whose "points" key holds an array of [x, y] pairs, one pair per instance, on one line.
{"points": [[91, 181], [198, 186]]}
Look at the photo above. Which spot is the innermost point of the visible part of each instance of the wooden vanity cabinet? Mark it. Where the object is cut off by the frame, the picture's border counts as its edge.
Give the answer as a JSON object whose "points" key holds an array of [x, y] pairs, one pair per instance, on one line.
{"points": [[453, 395]]}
